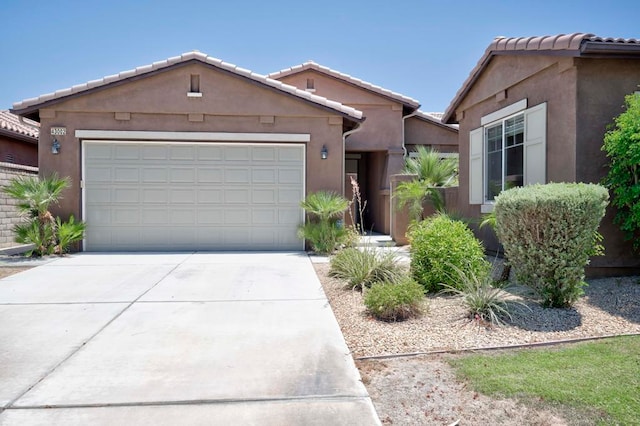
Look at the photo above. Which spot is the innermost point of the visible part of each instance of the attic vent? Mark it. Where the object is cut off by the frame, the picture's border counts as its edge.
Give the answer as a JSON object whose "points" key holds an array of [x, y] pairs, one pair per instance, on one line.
{"points": [[194, 87], [9, 158], [311, 85]]}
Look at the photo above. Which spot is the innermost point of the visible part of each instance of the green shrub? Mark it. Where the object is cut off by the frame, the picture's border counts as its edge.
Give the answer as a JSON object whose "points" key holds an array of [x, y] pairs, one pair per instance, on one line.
{"points": [[549, 232], [485, 301], [622, 145], [362, 267], [395, 301], [441, 245], [322, 229]]}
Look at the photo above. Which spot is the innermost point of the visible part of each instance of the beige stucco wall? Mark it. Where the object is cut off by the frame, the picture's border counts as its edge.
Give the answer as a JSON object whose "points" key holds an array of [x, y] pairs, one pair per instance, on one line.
{"points": [[380, 135], [509, 79], [422, 132], [602, 86], [159, 102], [582, 96]]}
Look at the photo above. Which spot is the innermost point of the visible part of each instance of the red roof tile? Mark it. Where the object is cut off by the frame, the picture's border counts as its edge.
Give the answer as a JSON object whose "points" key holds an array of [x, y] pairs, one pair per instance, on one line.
{"points": [[12, 124]]}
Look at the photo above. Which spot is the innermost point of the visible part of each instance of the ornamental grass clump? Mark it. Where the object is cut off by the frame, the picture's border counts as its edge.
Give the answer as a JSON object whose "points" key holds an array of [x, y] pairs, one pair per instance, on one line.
{"points": [[439, 247], [486, 302], [549, 232], [399, 301], [361, 267]]}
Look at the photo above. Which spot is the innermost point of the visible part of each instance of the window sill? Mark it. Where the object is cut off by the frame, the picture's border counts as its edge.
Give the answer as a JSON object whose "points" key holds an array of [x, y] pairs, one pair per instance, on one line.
{"points": [[486, 208]]}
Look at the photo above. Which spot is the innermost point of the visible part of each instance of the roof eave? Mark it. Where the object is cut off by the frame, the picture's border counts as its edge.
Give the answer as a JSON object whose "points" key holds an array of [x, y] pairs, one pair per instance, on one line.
{"points": [[19, 136], [33, 111], [600, 48]]}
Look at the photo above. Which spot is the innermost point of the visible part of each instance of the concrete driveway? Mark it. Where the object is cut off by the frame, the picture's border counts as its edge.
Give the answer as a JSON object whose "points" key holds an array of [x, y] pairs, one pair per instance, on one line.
{"points": [[185, 338]]}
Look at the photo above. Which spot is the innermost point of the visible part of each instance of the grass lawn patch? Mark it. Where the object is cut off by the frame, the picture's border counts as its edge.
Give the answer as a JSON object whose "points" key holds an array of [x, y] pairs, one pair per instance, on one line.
{"points": [[603, 375]]}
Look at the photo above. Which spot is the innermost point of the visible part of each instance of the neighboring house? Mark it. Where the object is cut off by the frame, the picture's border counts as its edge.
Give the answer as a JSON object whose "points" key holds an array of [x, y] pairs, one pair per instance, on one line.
{"points": [[376, 151], [195, 153], [535, 110], [18, 140]]}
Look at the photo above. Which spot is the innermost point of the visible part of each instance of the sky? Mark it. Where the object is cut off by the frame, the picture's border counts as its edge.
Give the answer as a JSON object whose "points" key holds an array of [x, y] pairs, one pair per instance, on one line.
{"points": [[422, 49]]}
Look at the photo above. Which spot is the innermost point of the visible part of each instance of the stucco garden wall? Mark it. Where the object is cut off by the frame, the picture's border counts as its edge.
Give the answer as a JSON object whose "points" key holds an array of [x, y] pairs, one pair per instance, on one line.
{"points": [[9, 216]]}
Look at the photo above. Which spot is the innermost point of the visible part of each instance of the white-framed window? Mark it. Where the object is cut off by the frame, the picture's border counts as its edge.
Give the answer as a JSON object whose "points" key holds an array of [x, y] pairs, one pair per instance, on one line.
{"points": [[509, 150]]}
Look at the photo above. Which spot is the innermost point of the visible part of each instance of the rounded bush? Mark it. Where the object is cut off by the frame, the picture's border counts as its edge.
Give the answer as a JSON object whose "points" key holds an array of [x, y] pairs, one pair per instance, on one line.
{"points": [[395, 302], [440, 248], [548, 233]]}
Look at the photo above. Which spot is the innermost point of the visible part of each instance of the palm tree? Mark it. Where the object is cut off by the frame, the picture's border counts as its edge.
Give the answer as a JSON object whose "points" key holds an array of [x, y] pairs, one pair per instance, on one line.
{"points": [[325, 205], [432, 172], [322, 230], [34, 197]]}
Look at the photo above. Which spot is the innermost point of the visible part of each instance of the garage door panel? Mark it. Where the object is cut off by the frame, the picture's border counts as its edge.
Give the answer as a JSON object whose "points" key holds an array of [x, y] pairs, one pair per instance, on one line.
{"points": [[155, 216], [126, 152], [192, 196], [182, 175], [236, 195], [209, 217], [264, 153], [155, 175], [236, 175], [263, 196], [99, 174], [264, 176], [289, 176], [210, 175]]}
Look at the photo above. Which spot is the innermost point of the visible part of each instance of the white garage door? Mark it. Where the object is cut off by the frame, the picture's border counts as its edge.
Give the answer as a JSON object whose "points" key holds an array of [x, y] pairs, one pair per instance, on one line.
{"points": [[192, 196]]}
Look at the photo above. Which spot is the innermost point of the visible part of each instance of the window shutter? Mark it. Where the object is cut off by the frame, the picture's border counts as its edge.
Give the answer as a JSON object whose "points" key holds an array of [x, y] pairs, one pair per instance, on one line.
{"points": [[476, 182], [535, 144]]}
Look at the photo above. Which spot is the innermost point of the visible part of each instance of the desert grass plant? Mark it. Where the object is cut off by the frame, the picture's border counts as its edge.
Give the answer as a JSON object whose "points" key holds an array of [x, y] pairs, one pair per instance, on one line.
{"points": [[362, 267], [322, 229], [439, 246], [395, 301], [487, 303]]}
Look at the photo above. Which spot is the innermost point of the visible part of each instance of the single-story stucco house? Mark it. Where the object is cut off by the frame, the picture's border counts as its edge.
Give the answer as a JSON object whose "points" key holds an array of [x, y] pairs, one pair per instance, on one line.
{"points": [[18, 140], [195, 153], [535, 110]]}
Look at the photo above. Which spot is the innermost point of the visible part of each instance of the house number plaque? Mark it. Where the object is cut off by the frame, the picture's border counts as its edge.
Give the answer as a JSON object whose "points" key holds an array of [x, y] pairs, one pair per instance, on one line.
{"points": [[58, 131]]}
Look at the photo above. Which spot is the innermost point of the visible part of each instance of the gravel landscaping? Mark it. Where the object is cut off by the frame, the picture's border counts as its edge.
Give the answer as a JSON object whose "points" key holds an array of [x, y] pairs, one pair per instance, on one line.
{"points": [[423, 390], [610, 306]]}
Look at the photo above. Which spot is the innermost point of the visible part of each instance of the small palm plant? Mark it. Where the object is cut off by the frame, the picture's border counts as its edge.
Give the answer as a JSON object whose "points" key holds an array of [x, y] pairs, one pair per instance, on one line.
{"points": [[432, 173], [34, 197], [322, 230]]}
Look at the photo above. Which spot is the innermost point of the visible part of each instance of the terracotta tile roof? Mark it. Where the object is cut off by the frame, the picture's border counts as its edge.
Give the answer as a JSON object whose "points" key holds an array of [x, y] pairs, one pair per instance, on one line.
{"points": [[576, 44], [32, 104], [11, 124], [405, 100]]}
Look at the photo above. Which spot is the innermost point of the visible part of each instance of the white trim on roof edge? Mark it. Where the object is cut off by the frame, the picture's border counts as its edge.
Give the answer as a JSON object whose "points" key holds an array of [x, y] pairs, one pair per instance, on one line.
{"points": [[193, 136]]}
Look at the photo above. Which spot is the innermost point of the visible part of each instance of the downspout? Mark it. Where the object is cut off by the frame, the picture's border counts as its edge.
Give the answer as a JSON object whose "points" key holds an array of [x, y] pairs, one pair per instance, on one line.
{"points": [[344, 152], [404, 148]]}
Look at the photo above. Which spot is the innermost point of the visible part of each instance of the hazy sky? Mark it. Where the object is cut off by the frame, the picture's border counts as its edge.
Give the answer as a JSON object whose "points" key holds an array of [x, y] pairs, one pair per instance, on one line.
{"points": [[423, 49]]}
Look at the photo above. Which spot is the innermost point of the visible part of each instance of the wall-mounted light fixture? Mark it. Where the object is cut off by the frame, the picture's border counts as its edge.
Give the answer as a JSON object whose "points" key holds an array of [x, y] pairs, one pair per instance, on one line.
{"points": [[324, 153], [55, 146]]}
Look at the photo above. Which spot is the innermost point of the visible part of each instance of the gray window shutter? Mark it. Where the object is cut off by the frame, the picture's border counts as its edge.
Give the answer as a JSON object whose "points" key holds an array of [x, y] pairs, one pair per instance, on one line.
{"points": [[535, 144], [476, 180]]}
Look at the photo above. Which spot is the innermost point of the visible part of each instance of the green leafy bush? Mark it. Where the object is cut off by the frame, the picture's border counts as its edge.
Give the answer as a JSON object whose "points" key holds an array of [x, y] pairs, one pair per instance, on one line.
{"points": [[322, 229], [390, 301], [439, 246], [622, 145], [362, 267], [486, 302], [549, 232]]}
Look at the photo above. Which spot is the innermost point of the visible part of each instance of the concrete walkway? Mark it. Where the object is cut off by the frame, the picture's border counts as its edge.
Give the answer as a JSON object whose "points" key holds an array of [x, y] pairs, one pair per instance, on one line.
{"points": [[186, 338]]}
